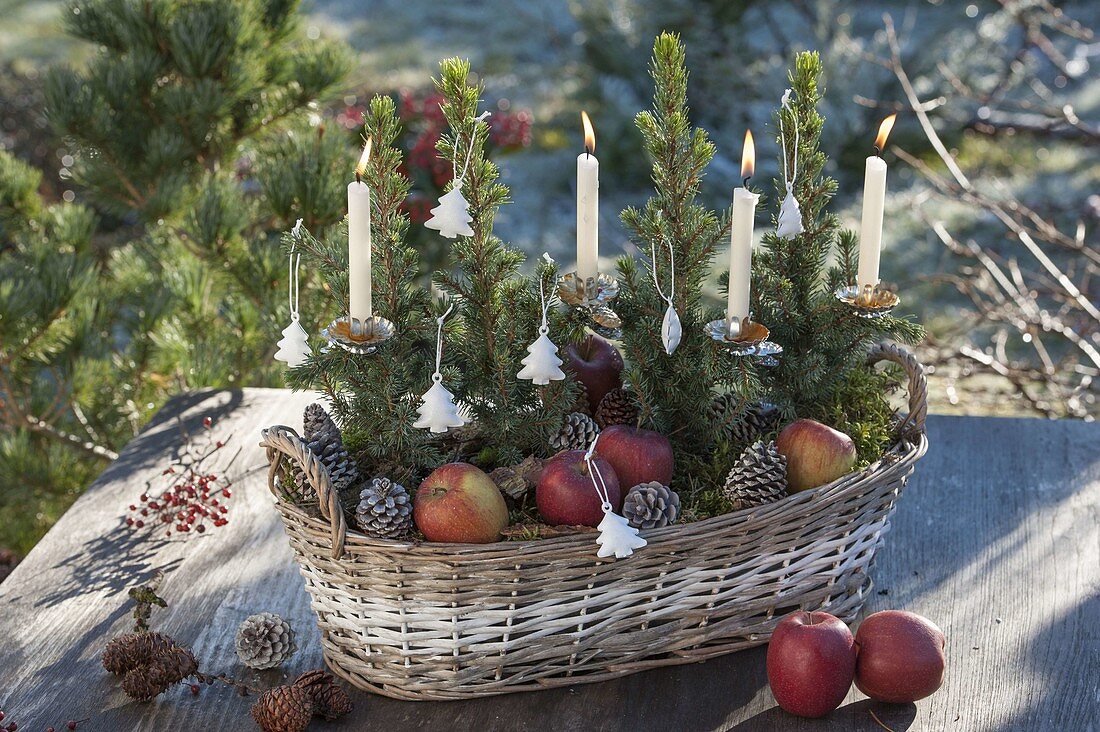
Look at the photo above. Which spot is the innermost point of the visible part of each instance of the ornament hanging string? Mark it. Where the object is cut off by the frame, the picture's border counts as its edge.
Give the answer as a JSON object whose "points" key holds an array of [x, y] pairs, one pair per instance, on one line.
{"points": [[545, 327], [671, 329], [597, 477], [295, 264], [789, 180], [437, 377], [671, 268], [469, 151]]}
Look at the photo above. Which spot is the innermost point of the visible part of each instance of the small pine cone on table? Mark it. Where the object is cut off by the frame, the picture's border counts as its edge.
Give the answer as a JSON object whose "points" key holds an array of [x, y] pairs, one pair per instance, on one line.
{"points": [[576, 433], [616, 407], [651, 506], [284, 709], [264, 641], [127, 652], [384, 510], [148, 662], [758, 477], [329, 699]]}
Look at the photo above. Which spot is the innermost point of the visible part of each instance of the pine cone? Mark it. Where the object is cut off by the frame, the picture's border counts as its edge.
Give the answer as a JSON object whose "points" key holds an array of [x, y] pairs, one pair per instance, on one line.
{"points": [[384, 510], [329, 699], [322, 437], [651, 506], [264, 641], [759, 476], [746, 428], [576, 433], [582, 404], [283, 709], [616, 407], [516, 480], [148, 662]]}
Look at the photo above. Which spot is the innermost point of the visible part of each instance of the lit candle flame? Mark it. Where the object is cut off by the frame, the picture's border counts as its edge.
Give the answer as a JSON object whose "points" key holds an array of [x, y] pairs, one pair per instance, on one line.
{"points": [[748, 157], [361, 168], [884, 132], [589, 133]]}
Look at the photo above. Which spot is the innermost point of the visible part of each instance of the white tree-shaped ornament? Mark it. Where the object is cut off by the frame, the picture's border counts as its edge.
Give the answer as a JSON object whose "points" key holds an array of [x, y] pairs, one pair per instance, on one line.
{"points": [[790, 213], [542, 365], [617, 537], [438, 411], [671, 330], [294, 345], [451, 218]]}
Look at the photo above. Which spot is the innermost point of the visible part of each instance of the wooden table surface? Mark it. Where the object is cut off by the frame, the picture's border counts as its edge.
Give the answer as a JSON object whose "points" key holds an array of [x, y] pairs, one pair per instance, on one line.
{"points": [[996, 539]]}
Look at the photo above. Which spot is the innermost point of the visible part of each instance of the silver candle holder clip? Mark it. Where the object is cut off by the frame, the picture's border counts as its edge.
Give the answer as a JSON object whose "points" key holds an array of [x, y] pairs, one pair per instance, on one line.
{"points": [[868, 301], [361, 337], [592, 295], [744, 339]]}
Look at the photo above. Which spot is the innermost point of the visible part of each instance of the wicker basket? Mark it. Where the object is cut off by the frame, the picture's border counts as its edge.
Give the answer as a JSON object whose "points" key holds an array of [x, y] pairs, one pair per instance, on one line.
{"points": [[453, 621]]}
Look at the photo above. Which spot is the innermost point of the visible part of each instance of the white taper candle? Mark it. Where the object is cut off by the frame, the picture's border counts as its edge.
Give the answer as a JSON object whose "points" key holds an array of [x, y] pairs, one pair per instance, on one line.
{"points": [[741, 230], [874, 203], [359, 244], [588, 206]]}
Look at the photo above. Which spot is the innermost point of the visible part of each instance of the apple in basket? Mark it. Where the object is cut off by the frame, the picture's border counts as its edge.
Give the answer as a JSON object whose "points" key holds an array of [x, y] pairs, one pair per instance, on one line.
{"points": [[816, 454], [459, 503], [565, 494], [597, 364], [811, 663], [638, 456], [900, 656]]}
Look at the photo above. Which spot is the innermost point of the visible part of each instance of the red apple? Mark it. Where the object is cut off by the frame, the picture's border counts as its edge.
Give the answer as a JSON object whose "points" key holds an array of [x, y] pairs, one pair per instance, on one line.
{"points": [[816, 454], [596, 364], [459, 503], [565, 494], [811, 662], [637, 455], [900, 656]]}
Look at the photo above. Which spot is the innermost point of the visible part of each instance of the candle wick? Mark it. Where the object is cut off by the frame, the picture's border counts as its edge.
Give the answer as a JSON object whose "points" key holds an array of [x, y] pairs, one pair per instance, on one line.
{"points": [[745, 181], [358, 177], [878, 151], [587, 151]]}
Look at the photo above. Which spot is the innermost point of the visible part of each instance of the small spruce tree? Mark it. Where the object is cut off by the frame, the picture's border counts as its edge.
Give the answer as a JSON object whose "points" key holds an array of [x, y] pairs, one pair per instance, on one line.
{"points": [[820, 374], [499, 308]]}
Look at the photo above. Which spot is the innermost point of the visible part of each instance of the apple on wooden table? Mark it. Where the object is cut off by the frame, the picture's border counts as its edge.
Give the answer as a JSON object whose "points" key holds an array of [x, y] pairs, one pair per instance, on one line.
{"points": [[900, 656], [811, 663], [459, 503], [565, 494]]}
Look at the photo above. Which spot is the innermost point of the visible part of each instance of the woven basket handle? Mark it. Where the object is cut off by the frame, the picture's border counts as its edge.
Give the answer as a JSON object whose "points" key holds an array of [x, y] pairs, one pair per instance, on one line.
{"points": [[918, 383], [284, 440]]}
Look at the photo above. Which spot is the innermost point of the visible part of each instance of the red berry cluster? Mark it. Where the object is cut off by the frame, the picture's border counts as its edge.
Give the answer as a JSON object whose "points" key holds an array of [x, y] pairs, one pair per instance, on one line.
{"points": [[192, 498], [12, 726]]}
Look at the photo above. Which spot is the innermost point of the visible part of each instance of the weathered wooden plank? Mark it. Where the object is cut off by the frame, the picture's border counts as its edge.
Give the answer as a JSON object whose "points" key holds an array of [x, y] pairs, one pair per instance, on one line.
{"points": [[1000, 523]]}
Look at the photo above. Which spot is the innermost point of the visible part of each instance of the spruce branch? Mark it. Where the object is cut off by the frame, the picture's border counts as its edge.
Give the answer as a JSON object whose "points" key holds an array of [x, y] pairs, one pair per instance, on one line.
{"points": [[674, 392]]}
